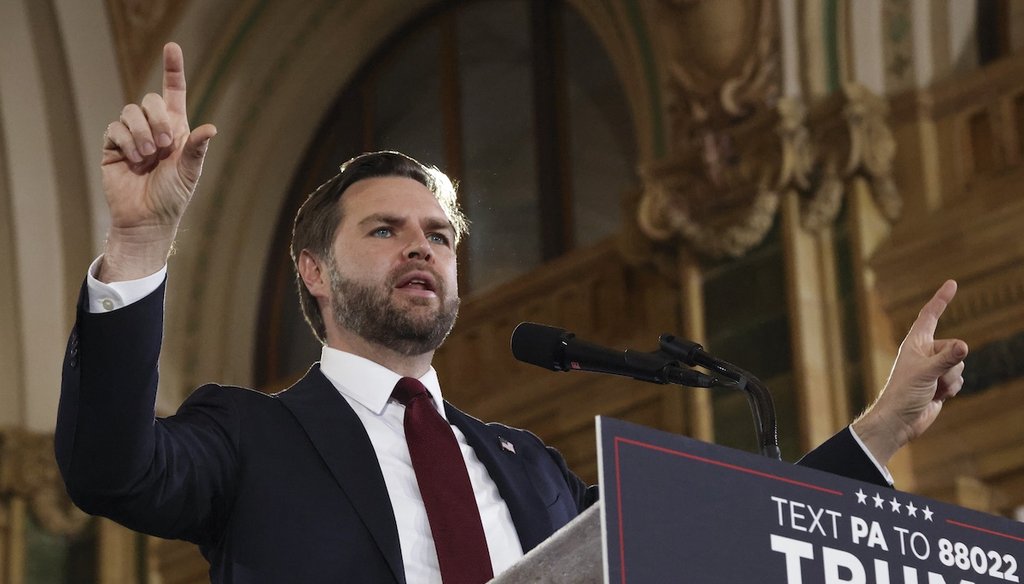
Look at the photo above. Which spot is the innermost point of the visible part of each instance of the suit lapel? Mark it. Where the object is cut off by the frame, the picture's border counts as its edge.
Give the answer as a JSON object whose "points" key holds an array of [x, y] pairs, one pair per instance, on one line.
{"points": [[341, 440], [508, 472]]}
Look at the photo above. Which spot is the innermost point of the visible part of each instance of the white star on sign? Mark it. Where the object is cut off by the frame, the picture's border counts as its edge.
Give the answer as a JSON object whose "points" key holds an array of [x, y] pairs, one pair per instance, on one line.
{"points": [[879, 501], [895, 505], [928, 513], [861, 497], [911, 509]]}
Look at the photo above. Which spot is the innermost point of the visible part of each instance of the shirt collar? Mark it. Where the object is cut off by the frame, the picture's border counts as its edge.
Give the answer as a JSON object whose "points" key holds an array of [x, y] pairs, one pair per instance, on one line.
{"points": [[370, 383]]}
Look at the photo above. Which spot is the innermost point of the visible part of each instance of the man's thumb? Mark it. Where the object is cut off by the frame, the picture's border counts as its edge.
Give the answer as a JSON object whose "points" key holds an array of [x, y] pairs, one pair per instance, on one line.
{"points": [[194, 152], [950, 354]]}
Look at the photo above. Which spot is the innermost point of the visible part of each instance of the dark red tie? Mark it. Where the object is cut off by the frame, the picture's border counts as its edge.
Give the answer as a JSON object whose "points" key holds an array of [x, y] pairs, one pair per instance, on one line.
{"points": [[444, 485]]}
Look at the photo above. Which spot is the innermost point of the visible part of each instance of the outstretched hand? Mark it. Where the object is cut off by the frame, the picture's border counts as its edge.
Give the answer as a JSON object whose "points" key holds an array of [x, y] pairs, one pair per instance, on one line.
{"points": [[926, 373], [151, 165]]}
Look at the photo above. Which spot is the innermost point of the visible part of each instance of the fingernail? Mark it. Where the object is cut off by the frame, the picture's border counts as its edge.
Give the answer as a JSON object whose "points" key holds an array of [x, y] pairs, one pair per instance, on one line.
{"points": [[134, 156], [148, 148], [164, 140]]}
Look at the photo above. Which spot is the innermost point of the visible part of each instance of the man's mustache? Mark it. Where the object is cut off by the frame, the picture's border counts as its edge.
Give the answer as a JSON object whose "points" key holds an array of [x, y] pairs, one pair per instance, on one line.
{"points": [[401, 271]]}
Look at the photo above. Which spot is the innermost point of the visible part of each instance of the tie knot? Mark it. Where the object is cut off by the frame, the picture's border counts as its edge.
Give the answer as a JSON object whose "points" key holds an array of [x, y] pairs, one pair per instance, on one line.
{"points": [[408, 389]]}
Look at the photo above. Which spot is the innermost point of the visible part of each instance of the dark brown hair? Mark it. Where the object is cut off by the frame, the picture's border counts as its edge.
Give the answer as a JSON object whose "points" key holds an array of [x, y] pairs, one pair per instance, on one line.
{"points": [[319, 217]]}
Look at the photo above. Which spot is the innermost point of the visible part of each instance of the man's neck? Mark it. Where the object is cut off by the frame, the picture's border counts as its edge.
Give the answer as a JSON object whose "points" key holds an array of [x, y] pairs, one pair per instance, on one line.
{"points": [[405, 365]]}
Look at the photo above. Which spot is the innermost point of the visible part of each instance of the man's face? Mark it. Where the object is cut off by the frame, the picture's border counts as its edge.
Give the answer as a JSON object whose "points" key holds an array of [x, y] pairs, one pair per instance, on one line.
{"points": [[393, 275]]}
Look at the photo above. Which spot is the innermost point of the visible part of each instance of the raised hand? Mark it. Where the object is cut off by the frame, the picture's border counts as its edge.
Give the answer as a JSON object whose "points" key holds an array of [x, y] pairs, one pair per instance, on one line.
{"points": [[927, 371], [151, 165]]}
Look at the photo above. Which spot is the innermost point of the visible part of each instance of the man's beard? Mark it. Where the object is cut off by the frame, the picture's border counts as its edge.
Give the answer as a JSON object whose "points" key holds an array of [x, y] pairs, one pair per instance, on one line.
{"points": [[372, 314]]}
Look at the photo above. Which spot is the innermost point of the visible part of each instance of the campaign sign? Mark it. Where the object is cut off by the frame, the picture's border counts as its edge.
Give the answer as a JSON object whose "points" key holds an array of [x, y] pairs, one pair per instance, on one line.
{"points": [[681, 510]]}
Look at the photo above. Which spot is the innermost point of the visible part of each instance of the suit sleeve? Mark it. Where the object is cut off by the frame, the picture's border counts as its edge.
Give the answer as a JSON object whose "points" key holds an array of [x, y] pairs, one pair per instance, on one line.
{"points": [[583, 495], [168, 477], [842, 455]]}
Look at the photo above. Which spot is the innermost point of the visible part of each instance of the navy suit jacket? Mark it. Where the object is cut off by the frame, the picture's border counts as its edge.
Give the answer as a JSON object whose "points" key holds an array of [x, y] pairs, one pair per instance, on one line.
{"points": [[276, 488]]}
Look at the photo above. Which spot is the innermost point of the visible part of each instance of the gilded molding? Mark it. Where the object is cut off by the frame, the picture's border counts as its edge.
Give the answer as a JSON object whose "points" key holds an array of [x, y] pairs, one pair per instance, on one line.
{"points": [[663, 213], [28, 471], [852, 138], [716, 190], [872, 147], [721, 59], [737, 146], [722, 196]]}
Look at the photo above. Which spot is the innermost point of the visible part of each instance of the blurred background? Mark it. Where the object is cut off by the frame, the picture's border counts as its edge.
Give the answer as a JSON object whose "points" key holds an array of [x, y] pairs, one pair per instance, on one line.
{"points": [[785, 181]]}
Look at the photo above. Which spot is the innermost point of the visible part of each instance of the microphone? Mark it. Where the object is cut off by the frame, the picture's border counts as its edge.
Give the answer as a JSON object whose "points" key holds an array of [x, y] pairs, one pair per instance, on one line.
{"points": [[559, 350]]}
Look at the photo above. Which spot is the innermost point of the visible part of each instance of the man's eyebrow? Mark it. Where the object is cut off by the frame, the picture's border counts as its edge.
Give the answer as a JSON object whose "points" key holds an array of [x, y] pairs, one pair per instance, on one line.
{"points": [[438, 224], [382, 218], [432, 223]]}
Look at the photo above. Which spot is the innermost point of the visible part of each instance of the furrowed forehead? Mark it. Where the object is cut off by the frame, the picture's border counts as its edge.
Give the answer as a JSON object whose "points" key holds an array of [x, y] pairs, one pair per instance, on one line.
{"points": [[391, 199]]}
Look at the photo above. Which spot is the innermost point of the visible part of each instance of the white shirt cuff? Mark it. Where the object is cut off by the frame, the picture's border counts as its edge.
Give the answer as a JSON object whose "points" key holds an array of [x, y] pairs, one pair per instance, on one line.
{"points": [[885, 472], [107, 297]]}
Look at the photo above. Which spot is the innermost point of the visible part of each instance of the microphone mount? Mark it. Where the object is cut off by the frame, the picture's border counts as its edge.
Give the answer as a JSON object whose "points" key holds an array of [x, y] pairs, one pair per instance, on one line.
{"points": [[758, 396]]}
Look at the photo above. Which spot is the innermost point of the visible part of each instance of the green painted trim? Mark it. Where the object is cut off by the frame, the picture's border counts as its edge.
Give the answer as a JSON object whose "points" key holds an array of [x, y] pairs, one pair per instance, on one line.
{"points": [[650, 74], [226, 59], [829, 26]]}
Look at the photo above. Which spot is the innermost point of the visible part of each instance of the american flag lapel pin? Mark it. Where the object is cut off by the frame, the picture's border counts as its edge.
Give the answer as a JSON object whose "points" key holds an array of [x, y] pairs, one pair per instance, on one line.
{"points": [[506, 445]]}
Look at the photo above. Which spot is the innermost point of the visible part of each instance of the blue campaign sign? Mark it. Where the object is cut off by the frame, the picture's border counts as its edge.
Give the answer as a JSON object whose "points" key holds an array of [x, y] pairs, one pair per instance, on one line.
{"points": [[680, 510]]}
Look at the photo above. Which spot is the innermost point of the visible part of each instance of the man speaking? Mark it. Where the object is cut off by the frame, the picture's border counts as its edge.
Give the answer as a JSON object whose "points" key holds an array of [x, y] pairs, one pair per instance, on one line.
{"points": [[360, 472]]}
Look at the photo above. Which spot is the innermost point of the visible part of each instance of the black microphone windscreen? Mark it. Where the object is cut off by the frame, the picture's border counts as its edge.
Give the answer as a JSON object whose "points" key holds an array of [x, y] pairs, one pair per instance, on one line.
{"points": [[538, 344]]}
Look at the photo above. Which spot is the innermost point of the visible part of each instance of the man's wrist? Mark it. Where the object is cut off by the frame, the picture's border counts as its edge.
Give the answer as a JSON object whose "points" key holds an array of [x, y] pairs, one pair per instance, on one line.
{"points": [[881, 438], [109, 296], [882, 470], [135, 253]]}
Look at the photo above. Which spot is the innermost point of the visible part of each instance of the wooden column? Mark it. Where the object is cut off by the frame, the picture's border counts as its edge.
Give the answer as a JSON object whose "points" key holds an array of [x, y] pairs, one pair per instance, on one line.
{"points": [[814, 326], [868, 229], [117, 561], [12, 547], [700, 419]]}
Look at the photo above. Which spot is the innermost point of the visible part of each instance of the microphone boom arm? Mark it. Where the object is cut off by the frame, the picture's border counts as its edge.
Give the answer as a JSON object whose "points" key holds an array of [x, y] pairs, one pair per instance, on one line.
{"points": [[760, 399]]}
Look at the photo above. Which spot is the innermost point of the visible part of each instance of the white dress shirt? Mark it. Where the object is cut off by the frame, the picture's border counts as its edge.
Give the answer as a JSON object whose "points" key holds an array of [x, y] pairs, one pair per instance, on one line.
{"points": [[367, 387]]}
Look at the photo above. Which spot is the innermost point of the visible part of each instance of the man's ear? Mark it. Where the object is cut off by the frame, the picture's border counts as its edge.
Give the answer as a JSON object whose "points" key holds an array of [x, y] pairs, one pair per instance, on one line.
{"points": [[314, 276]]}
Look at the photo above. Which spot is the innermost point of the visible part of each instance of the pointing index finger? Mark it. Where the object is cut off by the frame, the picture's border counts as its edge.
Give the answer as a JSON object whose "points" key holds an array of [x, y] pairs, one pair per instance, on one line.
{"points": [[928, 318], [174, 78]]}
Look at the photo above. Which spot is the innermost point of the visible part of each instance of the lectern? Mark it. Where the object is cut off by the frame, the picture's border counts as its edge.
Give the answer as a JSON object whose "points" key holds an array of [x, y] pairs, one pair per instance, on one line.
{"points": [[675, 509]]}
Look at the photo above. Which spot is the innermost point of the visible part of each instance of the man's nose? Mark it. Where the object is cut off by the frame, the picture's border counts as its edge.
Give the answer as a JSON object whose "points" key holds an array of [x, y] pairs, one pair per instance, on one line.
{"points": [[419, 248]]}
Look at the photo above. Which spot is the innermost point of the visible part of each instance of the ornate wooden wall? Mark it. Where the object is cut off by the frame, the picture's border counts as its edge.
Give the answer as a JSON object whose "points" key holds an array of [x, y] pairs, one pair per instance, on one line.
{"points": [[963, 171]]}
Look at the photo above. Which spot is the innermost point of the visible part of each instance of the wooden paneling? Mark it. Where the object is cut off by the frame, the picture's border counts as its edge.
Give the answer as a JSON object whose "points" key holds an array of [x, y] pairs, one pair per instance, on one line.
{"points": [[969, 230]]}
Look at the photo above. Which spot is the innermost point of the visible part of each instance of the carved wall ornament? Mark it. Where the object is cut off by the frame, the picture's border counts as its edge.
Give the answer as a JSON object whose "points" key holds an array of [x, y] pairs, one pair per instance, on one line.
{"points": [[721, 195], [719, 189], [872, 146], [851, 138], [736, 146], [140, 28], [722, 198], [28, 471], [721, 59], [664, 213]]}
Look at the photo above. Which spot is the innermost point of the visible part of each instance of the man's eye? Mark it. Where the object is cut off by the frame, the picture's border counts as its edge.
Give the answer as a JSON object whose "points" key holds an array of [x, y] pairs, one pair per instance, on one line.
{"points": [[382, 232], [438, 238]]}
